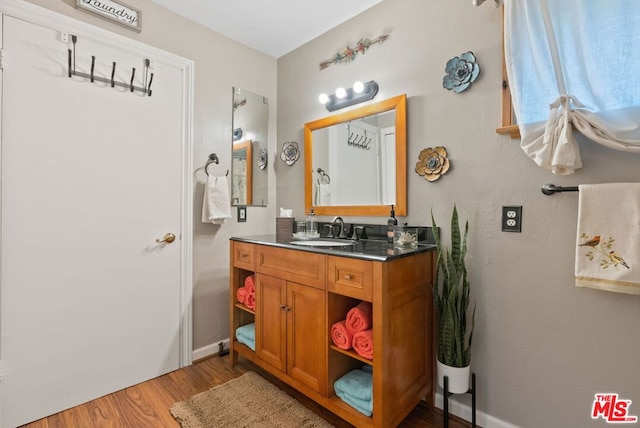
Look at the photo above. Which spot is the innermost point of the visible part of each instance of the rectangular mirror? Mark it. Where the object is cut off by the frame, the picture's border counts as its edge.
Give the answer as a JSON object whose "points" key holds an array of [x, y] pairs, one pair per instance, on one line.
{"points": [[355, 162], [242, 173], [250, 124]]}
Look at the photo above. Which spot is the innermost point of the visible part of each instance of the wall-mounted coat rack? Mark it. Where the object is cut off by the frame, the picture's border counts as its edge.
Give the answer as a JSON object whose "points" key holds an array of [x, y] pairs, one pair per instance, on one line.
{"points": [[358, 140], [145, 89]]}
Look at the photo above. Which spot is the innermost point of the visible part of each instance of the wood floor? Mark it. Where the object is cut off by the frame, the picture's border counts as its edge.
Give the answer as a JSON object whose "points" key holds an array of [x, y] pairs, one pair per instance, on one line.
{"points": [[147, 404]]}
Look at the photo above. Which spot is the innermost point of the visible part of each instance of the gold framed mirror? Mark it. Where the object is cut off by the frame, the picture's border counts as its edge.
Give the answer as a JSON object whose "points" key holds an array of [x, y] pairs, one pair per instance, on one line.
{"points": [[356, 161]]}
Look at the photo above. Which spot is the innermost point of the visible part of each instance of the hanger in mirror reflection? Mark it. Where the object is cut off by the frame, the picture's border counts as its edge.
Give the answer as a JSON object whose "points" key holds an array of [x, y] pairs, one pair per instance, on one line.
{"points": [[213, 158]]}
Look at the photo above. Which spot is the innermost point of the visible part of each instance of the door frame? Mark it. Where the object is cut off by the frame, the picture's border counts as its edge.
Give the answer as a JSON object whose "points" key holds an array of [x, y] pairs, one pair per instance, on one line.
{"points": [[38, 15]]}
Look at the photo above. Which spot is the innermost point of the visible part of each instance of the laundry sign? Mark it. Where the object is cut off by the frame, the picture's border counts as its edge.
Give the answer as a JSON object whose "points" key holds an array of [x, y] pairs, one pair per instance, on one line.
{"points": [[114, 10]]}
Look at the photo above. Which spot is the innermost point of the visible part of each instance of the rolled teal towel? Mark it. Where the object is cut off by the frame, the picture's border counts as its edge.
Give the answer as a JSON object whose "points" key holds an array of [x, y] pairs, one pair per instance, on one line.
{"points": [[246, 334], [356, 389]]}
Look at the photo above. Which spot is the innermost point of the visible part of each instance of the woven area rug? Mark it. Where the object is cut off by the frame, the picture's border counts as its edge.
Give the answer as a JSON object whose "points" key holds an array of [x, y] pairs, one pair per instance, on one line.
{"points": [[245, 402]]}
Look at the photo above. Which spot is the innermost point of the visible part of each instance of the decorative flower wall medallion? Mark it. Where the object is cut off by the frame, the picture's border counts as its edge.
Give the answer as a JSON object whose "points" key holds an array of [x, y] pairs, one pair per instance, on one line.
{"points": [[290, 152], [461, 72], [433, 163], [262, 158]]}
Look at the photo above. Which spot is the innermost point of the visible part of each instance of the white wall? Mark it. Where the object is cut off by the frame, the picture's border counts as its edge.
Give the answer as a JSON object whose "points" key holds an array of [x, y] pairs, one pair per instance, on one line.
{"points": [[542, 347], [220, 64]]}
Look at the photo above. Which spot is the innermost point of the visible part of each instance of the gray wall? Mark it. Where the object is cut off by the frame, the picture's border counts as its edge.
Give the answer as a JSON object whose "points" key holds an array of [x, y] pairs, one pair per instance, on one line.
{"points": [[220, 64], [542, 347]]}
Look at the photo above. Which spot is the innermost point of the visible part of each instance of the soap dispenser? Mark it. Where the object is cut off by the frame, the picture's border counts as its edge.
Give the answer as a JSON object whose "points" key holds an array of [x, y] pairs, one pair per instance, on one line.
{"points": [[312, 225], [391, 223]]}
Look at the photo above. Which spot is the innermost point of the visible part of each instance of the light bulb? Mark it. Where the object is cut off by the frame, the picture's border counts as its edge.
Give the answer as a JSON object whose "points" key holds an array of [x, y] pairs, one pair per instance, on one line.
{"points": [[358, 87], [341, 93], [323, 98]]}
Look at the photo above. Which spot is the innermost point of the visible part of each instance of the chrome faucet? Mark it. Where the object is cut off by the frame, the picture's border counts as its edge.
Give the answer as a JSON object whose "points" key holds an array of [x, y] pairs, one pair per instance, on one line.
{"points": [[337, 221]]}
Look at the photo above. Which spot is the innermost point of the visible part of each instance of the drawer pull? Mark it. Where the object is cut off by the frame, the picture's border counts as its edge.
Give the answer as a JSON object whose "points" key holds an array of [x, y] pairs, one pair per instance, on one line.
{"points": [[348, 277], [285, 308], [243, 255]]}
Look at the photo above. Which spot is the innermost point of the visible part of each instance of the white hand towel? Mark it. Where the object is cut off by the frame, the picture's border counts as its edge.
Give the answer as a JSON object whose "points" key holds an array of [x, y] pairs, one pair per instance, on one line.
{"points": [[216, 206], [608, 248], [324, 194]]}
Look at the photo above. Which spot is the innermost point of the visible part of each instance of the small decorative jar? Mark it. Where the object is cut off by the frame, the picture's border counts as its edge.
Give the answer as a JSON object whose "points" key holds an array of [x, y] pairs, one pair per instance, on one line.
{"points": [[405, 237]]}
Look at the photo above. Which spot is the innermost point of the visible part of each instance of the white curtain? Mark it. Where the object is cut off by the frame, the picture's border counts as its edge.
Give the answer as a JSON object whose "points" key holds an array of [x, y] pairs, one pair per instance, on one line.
{"points": [[573, 62]]}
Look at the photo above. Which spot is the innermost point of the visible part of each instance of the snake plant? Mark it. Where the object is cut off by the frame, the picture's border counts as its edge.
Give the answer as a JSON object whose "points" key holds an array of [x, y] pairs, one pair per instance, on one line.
{"points": [[451, 297]]}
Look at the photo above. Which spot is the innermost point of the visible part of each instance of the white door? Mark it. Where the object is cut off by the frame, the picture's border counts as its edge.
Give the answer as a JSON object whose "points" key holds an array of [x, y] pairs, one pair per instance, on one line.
{"points": [[387, 171], [91, 176]]}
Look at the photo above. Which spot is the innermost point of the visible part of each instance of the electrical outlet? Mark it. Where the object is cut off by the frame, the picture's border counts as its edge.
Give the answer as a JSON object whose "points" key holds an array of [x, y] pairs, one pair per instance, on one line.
{"points": [[512, 219]]}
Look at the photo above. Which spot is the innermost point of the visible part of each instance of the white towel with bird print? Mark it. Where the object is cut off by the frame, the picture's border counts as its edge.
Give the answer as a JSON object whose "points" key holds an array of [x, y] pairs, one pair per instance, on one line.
{"points": [[608, 246]]}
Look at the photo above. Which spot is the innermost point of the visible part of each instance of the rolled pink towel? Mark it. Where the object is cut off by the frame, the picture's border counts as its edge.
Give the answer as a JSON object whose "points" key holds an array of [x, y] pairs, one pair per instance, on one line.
{"points": [[359, 318], [250, 301], [341, 336], [241, 294], [363, 344], [249, 284]]}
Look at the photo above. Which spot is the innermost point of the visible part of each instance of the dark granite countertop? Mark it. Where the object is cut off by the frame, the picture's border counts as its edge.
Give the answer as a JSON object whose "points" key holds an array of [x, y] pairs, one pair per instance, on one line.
{"points": [[367, 249]]}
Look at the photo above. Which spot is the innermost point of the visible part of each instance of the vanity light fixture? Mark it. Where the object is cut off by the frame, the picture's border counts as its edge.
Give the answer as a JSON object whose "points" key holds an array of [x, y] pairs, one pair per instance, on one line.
{"points": [[347, 97]]}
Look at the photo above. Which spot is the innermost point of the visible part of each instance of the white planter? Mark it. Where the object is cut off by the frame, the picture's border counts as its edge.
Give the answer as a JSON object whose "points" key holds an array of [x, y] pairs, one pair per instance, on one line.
{"points": [[458, 377]]}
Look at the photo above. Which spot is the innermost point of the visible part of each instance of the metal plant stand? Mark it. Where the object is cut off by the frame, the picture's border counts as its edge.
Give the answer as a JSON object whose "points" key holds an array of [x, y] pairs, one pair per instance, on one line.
{"points": [[447, 394]]}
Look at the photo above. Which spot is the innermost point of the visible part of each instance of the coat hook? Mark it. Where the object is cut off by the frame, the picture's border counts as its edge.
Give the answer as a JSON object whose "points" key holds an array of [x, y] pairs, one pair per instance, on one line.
{"points": [[93, 64], [133, 74], [113, 72], [149, 86]]}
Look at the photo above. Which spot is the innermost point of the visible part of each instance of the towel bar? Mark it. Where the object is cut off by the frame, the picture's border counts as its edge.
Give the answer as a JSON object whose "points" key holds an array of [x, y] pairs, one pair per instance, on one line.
{"points": [[550, 189]]}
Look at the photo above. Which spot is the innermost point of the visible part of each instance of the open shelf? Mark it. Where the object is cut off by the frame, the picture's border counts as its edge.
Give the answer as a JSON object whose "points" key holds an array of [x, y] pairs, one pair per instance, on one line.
{"points": [[355, 416], [352, 354], [245, 308]]}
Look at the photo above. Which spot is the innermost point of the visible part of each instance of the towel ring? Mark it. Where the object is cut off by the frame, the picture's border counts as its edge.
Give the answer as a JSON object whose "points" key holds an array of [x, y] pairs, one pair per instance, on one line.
{"points": [[213, 158], [323, 176]]}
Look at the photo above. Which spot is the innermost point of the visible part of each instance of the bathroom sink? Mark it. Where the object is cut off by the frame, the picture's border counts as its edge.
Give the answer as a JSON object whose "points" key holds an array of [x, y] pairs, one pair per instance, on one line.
{"points": [[325, 243]]}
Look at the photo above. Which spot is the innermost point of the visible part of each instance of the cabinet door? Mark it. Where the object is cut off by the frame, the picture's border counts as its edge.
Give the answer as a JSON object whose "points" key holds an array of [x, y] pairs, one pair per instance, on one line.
{"points": [[307, 336], [271, 320]]}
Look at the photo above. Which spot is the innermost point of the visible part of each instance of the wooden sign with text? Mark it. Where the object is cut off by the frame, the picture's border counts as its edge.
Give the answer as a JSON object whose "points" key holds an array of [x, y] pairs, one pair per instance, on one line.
{"points": [[116, 11]]}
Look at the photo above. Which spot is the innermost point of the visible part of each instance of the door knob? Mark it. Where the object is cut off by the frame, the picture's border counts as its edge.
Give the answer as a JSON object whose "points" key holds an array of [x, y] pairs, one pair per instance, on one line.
{"points": [[168, 238]]}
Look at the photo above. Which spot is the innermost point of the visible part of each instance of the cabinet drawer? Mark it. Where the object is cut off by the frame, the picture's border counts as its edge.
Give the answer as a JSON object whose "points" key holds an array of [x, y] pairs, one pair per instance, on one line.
{"points": [[244, 255], [297, 266], [350, 277]]}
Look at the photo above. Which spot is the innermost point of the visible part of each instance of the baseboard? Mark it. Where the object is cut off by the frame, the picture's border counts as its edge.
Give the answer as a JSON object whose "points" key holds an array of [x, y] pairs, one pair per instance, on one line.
{"points": [[464, 412], [209, 350]]}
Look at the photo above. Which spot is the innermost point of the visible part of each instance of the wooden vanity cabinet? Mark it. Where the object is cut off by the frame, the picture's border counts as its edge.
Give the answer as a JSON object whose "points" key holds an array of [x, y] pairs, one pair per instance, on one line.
{"points": [[299, 295], [291, 330]]}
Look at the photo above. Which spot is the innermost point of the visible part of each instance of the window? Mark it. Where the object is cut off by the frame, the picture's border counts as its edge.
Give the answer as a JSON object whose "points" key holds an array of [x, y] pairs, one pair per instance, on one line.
{"points": [[570, 65], [509, 123]]}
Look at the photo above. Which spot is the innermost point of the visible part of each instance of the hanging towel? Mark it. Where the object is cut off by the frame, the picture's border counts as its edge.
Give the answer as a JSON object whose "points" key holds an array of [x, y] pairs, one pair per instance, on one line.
{"points": [[363, 344], [216, 206], [359, 318], [323, 194], [608, 249], [341, 336], [356, 389]]}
